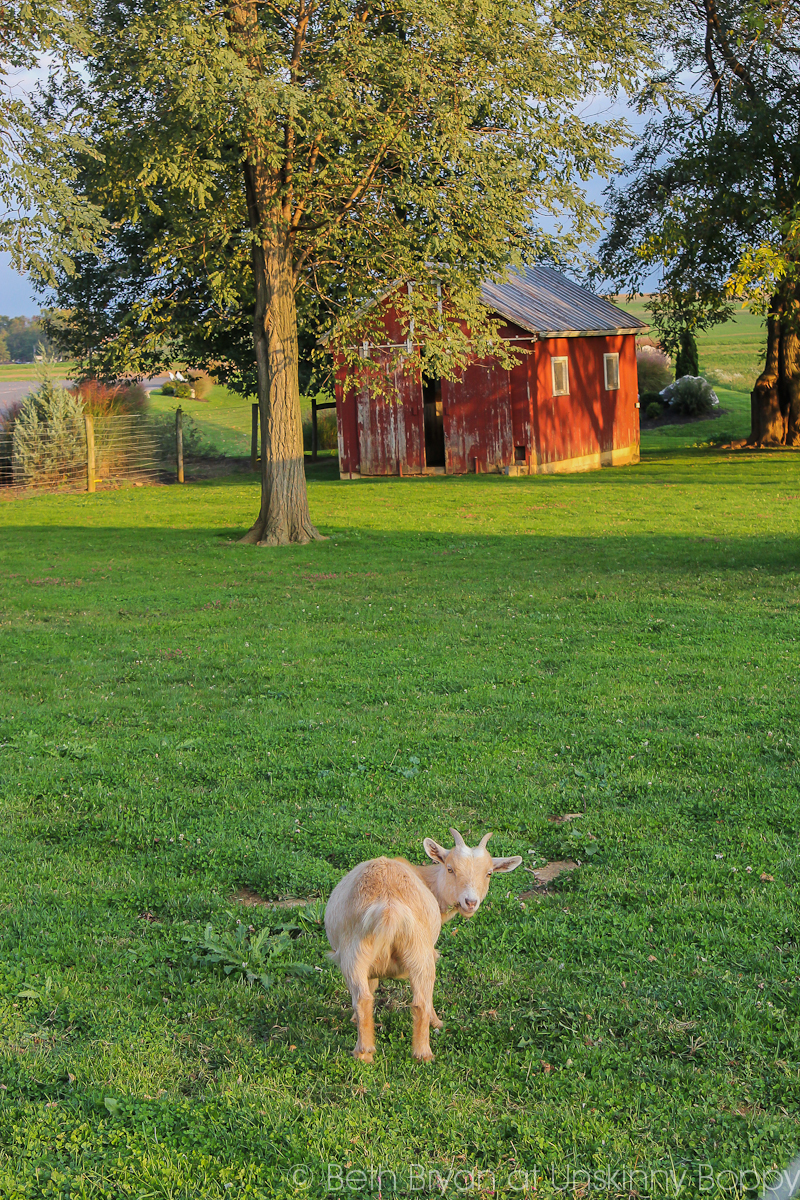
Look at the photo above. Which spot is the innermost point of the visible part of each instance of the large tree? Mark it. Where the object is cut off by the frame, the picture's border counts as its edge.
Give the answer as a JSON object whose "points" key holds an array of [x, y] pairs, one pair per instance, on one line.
{"points": [[278, 153], [713, 194]]}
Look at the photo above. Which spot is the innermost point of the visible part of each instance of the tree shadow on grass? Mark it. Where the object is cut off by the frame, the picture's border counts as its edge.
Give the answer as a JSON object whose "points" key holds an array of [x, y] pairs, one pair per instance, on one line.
{"points": [[39, 555]]}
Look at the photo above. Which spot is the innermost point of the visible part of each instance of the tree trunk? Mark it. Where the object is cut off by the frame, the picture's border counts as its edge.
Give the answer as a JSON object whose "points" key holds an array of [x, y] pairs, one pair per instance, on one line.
{"points": [[283, 517], [767, 424], [790, 373]]}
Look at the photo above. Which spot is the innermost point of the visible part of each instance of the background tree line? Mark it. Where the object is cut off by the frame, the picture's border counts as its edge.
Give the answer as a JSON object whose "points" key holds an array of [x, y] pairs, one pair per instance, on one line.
{"points": [[20, 337]]}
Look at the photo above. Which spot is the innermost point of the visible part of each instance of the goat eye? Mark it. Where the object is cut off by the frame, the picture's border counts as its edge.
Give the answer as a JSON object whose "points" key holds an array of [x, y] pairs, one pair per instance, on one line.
{"points": [[489, 874], [450, 871]]}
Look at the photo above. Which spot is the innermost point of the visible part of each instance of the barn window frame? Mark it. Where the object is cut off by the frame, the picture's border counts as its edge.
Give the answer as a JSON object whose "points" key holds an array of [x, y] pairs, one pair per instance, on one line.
{"points": [[560, 362], [611, 377]]}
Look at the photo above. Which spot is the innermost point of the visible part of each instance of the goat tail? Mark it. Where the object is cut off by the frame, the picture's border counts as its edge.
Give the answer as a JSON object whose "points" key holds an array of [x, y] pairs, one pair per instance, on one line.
{"points": [[388, 922]]}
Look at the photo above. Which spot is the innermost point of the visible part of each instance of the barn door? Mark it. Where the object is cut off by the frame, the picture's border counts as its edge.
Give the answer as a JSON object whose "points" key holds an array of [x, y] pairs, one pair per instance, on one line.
{"points": [[390, 432], [377, 434], [477, 421]]}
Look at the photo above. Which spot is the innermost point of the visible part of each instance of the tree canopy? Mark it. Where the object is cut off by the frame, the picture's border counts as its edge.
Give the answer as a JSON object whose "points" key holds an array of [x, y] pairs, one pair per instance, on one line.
{"points": [[285, 156], [713, 192], [44, 221]]}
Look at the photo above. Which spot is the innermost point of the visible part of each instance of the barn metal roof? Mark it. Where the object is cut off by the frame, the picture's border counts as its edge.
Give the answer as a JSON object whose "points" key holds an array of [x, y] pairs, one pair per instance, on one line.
{"points": [[545, 302]]}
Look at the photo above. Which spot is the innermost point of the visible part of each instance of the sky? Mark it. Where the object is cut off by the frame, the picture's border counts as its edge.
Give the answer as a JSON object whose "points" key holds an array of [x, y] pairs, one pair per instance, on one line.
{"points": [[16, 294]]}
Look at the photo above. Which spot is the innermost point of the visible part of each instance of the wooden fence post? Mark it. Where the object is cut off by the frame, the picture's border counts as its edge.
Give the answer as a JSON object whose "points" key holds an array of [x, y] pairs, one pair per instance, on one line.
{"points": [[89, 423], [179, 443], [254, 438]]}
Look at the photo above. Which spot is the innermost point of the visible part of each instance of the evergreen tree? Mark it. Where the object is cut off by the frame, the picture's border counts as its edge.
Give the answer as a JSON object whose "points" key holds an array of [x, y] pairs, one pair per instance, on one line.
{"points": [[686, 360]]}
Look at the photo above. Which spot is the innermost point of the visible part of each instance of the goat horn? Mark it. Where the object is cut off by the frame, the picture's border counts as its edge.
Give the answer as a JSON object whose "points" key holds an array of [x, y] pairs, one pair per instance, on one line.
{"points": [[484, 840], [457, 838]]}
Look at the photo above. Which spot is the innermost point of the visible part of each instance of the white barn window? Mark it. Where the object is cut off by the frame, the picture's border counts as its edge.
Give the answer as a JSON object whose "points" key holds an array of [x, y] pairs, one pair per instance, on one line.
{"points": [[611, 369], [560, 368]]}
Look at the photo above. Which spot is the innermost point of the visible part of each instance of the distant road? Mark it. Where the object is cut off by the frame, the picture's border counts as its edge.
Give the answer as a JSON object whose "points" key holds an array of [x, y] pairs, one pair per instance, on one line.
{"points": [[17, 389]]}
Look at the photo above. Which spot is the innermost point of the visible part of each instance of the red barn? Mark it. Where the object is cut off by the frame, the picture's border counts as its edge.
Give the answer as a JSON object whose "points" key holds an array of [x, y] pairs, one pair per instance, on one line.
{"points": [[571, 404]]}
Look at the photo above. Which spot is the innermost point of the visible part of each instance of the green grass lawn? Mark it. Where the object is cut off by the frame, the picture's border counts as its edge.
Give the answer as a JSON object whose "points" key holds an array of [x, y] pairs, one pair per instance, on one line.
{"points": [[183, 718], [14, 371], [223, 420]]}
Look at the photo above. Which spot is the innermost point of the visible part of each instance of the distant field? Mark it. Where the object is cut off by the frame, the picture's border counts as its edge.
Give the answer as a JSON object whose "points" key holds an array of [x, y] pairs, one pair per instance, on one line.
{"points": [[737, 347], [29, 370]]}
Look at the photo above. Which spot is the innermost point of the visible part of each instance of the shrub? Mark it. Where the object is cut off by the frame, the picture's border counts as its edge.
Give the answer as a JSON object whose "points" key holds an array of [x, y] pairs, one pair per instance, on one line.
{"points": [[653, 369], [202, 385], [168, 389], [691, 396], [49, 440], [108, 400], [653, 410], [183, 391], [8, 416]]}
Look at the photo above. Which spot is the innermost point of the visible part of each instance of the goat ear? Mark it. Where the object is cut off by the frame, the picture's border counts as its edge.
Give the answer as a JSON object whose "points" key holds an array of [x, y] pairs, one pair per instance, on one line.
{"points": [[435, 851], [506, 864]]}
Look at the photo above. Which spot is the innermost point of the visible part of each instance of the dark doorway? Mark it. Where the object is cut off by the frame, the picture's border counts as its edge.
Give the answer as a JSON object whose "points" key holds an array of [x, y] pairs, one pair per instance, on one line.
{"points": [[434, 425]]}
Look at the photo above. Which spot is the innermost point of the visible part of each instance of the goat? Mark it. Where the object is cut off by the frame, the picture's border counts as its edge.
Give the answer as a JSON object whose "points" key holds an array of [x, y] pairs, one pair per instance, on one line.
{"points": [[383, 921]]}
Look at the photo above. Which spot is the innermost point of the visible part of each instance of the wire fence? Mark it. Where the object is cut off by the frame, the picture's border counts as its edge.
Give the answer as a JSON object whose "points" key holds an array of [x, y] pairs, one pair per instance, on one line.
{"points": [[92, 452], [81, 452]]}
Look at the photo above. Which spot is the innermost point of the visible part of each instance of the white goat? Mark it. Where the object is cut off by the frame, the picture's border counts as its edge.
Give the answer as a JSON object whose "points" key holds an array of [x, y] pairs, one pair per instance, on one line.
{"points": [[384, 918]]}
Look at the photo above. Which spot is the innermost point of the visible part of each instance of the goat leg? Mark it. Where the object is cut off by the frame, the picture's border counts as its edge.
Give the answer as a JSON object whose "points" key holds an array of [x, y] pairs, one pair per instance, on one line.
{"points": [[422, 981], [363, 1012]]}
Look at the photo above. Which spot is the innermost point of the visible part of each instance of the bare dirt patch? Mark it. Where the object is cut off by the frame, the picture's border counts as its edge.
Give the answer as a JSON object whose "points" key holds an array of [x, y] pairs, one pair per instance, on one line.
{"points": [[252, 899], [564, 817], [545, 875]]}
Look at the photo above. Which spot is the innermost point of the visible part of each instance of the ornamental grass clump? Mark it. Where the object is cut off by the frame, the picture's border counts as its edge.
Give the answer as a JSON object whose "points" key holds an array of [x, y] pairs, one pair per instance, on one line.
{"points": [[653, 369], [327, 432], [110, 400]]}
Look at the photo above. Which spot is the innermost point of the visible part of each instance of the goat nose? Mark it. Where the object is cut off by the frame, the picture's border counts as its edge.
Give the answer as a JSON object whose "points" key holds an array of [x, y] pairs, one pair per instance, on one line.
{"points": [[468, 903]]}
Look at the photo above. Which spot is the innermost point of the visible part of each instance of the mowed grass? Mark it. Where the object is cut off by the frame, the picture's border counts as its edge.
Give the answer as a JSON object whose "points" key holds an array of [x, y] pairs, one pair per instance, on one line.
{"points": [[183, 717], [32, 371], [224, 420]]}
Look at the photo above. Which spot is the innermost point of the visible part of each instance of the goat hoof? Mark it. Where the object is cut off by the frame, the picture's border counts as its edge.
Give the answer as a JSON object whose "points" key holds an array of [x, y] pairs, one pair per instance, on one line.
{"points": [[436, 1023], [364, 1056], [422, 1055]]}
